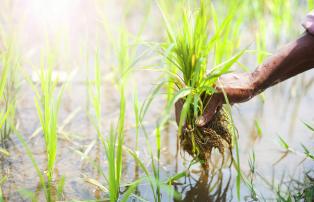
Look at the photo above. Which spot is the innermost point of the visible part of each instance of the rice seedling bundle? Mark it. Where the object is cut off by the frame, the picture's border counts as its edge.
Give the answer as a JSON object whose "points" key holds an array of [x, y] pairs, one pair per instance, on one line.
{"points": [[189, 50]]}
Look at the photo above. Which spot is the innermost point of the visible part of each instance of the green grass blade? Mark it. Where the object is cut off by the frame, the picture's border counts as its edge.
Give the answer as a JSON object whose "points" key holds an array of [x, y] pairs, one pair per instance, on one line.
{"points": [[283, 143], [130, 190], [309, 126], [30, 155]]}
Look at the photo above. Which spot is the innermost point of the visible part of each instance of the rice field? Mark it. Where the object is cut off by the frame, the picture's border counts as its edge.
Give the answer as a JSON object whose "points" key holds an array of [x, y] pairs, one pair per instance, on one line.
{"points": [[88, 92]]}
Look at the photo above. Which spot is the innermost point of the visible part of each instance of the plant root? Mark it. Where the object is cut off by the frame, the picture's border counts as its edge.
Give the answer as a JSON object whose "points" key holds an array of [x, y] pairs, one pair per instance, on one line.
{"points": [[200, 141]]}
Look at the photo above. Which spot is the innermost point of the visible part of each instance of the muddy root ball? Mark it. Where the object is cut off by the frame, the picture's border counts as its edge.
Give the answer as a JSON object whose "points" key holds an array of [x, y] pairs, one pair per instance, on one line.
{"points": [[199, 142]]}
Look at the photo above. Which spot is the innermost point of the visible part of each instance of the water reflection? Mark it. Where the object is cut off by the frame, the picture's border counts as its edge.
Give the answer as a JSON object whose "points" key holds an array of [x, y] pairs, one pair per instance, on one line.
{"points": [[208, 187]]}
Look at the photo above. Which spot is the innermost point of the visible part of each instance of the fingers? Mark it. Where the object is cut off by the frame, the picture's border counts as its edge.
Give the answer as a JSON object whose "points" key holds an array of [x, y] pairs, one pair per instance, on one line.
{"points": [[212, 107]]}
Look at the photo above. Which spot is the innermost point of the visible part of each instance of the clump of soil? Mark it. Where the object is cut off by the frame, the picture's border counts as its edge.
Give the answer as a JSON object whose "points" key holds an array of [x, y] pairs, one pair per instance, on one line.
{"points": [[200, 141]]}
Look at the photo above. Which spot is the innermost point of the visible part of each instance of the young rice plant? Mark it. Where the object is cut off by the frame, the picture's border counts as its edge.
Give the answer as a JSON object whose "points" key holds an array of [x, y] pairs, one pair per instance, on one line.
{"points": [[47, 101], [188, 50]]}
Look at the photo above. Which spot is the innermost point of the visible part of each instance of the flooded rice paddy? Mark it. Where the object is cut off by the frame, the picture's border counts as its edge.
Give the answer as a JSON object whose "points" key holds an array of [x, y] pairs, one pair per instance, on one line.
{"points": [[279, 112]]}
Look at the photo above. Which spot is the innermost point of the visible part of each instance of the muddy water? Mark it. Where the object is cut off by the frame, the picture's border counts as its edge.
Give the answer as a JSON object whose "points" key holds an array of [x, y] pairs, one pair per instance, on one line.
{"points": [[280, 113]]}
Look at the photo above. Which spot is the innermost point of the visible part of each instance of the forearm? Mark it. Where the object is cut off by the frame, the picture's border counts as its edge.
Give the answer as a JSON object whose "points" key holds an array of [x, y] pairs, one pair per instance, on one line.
{"points": [[294, 58]]}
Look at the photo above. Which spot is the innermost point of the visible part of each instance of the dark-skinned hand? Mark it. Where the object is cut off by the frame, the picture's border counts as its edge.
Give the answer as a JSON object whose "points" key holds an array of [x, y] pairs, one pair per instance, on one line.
{"points": [[238, 87]]}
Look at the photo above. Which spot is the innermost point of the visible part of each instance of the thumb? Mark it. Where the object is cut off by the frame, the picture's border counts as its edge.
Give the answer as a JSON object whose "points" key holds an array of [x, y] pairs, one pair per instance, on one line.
{"points": [[210, 110]]}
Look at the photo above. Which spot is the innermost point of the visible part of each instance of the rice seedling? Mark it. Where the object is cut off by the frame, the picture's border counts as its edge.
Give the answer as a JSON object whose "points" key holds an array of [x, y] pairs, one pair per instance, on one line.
{"points": [[113, 151], [288, 188], [124, 47], [153, 176], [190, 47], [287, 149], [3, 115], [40, 174], [113, 144], [8, 89], [124, 53], [152, 182], [250, 182], [47, 108], [95, 92], [47, 101], [9, 66], [51, 193]]}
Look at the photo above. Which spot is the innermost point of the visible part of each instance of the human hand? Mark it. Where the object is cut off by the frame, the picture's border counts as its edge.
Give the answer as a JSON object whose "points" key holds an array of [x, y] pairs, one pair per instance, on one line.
{"points": [[238, 87]]}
